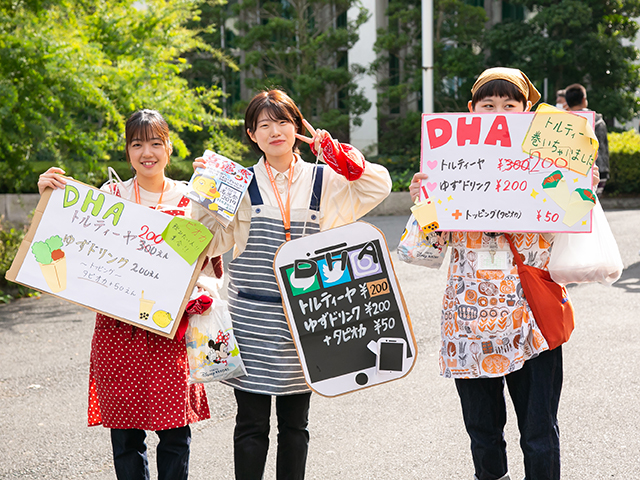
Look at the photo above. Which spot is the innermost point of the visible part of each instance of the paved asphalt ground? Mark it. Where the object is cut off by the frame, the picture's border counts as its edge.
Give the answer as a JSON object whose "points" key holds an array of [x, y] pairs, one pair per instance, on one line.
{"points": [[407, 429]]}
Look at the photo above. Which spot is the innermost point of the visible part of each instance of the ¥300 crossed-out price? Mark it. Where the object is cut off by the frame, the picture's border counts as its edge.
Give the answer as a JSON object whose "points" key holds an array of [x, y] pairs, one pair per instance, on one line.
{"points": [[534, 164]]}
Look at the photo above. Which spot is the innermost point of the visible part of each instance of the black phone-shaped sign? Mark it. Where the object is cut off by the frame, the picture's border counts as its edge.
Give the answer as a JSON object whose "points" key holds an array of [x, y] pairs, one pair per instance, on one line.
{"points": [[342, 300]]}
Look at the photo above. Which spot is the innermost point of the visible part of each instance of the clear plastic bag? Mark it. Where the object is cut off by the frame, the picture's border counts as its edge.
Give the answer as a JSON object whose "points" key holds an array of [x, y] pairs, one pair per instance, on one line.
{"points": [[586, 257], [416, 249], [211, 346]]}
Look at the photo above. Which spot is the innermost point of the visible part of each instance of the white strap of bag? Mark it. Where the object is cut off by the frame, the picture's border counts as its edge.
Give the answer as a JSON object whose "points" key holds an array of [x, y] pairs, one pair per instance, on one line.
{"points": [[313, 181]]}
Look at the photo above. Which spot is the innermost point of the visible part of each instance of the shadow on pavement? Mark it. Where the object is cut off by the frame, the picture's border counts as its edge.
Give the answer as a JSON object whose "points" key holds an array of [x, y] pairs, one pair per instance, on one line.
{"points": [[630, 279], [47, 309]]}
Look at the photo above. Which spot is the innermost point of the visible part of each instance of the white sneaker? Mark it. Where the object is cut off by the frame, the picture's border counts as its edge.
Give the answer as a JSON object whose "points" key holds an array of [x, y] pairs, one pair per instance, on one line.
{"points": [[505, 477]]}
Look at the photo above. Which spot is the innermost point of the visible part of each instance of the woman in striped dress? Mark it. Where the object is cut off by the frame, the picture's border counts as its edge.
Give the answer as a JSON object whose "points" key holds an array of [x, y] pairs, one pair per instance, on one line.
{"points": [[288, 198]]}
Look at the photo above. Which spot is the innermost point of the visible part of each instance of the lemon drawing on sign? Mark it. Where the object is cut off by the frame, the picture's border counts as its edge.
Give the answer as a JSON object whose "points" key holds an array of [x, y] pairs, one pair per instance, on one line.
{"points": [[162, 318]]}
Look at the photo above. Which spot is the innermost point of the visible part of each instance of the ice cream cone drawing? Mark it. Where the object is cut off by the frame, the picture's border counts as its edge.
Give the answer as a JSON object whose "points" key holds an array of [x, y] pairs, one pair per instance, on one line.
{"points": [[145, 307], [52, 261], [582, 200], [555, 186]]}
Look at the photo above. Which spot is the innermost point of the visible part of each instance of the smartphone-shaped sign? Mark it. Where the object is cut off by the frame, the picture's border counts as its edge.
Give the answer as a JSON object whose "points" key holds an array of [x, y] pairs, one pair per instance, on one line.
{"points": [[341, 296]]}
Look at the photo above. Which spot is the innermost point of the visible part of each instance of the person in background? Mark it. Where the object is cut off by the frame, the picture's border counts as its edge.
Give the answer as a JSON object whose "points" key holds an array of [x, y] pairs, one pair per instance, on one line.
{"points": [[561, 100], [576, 96]]}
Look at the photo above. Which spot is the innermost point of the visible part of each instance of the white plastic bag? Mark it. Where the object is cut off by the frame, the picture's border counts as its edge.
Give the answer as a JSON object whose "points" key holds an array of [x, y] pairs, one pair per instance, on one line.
{"points": [[211, 346], [415, 248], [586, 257]]}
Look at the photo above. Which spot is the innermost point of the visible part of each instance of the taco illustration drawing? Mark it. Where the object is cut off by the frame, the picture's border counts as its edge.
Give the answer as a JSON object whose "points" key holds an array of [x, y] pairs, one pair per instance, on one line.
{"points": [[556, 187], [582, 200], [52, 261]]}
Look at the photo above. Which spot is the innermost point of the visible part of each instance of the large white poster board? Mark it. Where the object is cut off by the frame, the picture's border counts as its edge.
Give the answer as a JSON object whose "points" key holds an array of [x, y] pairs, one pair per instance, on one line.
{"points": [[482, 179], [345, 309], [111, 255]]}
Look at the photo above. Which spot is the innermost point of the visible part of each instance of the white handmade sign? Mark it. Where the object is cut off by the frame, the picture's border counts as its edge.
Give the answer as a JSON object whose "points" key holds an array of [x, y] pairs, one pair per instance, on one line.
{"points": [[345, 309], [113, 256], [481, 178]]}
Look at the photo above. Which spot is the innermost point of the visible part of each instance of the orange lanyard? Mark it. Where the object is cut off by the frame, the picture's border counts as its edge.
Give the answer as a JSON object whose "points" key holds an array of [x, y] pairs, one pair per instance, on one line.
{"points": [[136, 188], [285, 212]]}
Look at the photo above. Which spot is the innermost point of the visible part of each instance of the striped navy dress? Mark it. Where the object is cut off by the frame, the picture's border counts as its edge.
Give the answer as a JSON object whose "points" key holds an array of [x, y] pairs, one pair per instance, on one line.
{"points": [[259, 322]]}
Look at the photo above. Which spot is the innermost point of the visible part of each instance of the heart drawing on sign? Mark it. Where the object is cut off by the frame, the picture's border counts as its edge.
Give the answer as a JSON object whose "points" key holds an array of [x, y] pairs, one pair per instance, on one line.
{"points": [[431, 186], [432, 164]]}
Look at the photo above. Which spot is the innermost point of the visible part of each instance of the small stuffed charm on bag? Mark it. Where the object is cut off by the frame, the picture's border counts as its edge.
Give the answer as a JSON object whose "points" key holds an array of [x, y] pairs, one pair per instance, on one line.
{"points": [[418, 248], [420, 243]]}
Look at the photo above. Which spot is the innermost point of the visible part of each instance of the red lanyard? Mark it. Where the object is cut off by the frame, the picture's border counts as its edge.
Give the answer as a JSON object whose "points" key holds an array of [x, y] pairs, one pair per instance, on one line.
{"points": [[136, 188], [285, 212]]}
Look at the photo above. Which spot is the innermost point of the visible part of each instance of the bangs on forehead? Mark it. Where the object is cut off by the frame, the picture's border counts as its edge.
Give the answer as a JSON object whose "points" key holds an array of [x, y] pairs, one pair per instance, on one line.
{"points": [[276, 111], [145, 132], [499, 88], [145, 125]]}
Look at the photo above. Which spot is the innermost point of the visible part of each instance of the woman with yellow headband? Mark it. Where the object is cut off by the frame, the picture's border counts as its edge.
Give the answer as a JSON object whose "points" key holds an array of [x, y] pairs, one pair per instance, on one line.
{"points": [[503, 344]]}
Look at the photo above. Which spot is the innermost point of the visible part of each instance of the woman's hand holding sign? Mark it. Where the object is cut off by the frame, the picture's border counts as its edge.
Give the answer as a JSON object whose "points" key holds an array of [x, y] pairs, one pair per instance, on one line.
{"points": [[416, 182], [52, 178]]}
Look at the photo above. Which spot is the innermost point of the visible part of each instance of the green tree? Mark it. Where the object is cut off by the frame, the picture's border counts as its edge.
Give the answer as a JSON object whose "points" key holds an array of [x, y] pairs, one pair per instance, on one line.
{"points": [[217, 68], [458, 59], [576, 41], [72, 71], [301, 46]]}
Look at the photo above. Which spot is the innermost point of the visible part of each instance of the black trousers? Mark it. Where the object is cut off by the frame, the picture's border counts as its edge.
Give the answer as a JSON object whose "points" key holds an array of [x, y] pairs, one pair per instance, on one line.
{"points": [[172, 454], [251, 435], [535, 390]]}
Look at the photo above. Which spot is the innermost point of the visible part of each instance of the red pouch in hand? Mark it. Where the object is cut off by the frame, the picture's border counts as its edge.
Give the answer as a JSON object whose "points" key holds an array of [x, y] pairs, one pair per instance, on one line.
{"points": [[341, 157], [195, 307]]}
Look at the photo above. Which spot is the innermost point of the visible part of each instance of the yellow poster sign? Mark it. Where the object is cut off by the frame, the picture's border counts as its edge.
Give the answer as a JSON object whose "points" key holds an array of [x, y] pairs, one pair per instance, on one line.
{"points": [[562, 136]]}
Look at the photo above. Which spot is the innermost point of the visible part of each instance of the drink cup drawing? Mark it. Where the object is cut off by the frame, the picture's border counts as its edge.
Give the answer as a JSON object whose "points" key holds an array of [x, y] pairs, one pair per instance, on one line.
{"points": [[426, 215], [145, 307], [52, 261]]}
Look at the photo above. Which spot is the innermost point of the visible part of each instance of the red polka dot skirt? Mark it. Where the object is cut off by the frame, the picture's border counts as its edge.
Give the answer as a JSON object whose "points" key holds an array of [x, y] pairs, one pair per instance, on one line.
{"points": [[140, 380]]}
